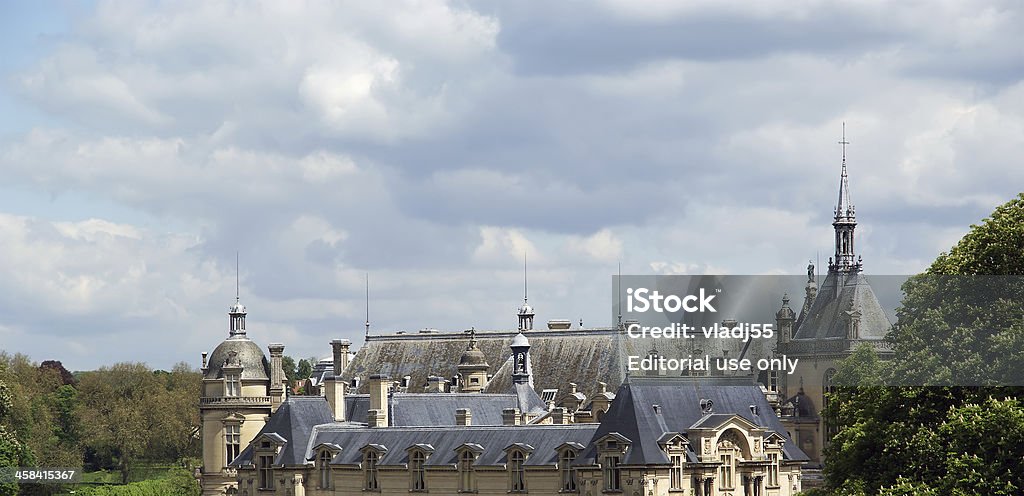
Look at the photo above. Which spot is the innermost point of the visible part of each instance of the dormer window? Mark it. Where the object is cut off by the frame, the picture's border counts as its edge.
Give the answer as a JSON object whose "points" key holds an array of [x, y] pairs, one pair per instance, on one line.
{"points": [[611, 451], [612, 472], [773, 469], [370, 480], [517, 471], [232, 384], [324, 468], [467, 478], [568, 475], [265, 471], [417, 471]]}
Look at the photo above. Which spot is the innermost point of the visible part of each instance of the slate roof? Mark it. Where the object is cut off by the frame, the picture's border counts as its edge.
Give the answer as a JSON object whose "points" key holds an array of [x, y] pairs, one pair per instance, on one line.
{"points": [[294, 421], [544, 439], [633, 415], [427, 409], [557, 357], [250, 356], [843, 292]]}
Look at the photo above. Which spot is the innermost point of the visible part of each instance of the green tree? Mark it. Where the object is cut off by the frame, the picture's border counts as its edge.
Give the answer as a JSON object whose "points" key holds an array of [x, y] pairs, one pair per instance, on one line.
{"points": [[305, 369], [288, 364], [122, 409], [931, 437], [13, 453]]}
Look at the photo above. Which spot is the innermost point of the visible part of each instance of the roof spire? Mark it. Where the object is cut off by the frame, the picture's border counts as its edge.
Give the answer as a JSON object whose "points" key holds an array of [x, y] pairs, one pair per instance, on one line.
{"points": [[843, 207], [236, 314], [845, 223], [526, 286], [525, 312], [367, 303]]}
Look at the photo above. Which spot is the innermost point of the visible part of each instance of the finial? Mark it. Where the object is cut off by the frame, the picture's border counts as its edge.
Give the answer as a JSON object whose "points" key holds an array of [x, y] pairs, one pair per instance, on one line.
{"points": [[525, 285], [236, 276], [844, 143], [618, 293], [367, 303], [472, 338]]}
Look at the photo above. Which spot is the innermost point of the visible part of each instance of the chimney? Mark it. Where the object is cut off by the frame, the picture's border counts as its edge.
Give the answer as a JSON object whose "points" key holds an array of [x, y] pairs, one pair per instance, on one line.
{"points": [[334, 392], [510, 416], [464, 417], [435, 384], [560, 416], [340, 349], [376, 418], [379, 386], [277, 378], [334, 387]]}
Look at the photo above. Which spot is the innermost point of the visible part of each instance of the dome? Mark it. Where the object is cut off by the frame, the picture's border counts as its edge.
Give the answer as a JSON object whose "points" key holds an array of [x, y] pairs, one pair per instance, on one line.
{"points": [[473, 356], [254, 363], [519, 340], [525, 309], [238, 307]]}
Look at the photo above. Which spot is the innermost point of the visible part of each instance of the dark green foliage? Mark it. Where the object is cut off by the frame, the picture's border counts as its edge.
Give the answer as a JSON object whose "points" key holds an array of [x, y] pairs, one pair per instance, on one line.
{"points": [[305, 369], [178, 482], [288, 364], [943, 439]]}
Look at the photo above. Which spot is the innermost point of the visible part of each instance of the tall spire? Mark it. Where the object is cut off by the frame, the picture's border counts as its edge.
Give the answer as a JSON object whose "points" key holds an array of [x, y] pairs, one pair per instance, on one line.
{"points": [[843, 207], [236, 314], [844, 223], [525, 312], [367, 303]]}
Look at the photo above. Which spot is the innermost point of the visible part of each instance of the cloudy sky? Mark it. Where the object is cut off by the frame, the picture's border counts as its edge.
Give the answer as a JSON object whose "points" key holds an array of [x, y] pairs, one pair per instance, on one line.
{"points": [[432, 144]]}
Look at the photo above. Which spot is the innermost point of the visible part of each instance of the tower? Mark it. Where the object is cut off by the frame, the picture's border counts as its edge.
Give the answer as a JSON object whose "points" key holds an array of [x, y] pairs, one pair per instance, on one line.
{"points": [[844, 222], [473, 367], [520, 359], [236, 399]]}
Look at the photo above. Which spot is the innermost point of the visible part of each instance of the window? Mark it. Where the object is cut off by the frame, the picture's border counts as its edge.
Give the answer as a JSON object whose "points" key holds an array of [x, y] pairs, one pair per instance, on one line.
{"points": [[612, 473], [417, 472], [565, 468], [325, 469], [676, 474], [466, 482], [726, 470], [829, 388], [773, 381], [370, 482], [232, 442], [516, 471], [231, 385], [266, 473], [773, 469]]}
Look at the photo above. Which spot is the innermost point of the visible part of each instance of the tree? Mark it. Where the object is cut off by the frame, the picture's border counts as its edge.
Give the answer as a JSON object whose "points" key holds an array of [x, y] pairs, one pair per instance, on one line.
{"points": [[305, 369], [288, 364], [122, 407], [13, 453], [959, 336]]}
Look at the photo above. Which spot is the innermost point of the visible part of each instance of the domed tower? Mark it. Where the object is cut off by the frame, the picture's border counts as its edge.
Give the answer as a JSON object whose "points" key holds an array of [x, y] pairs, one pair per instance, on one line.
{"points": [[237, 396], [473, 367]]}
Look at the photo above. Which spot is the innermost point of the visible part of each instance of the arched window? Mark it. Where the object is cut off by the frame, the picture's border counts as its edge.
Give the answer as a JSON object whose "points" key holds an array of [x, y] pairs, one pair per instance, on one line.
{"points": [[417, 471], [324, 463], [467, 483], [565, 460], [517, 471], [370, 481]]}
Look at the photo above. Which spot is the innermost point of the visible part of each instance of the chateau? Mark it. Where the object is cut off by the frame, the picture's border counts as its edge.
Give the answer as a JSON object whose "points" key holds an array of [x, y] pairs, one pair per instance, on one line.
{"points": [[541, 411]]}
